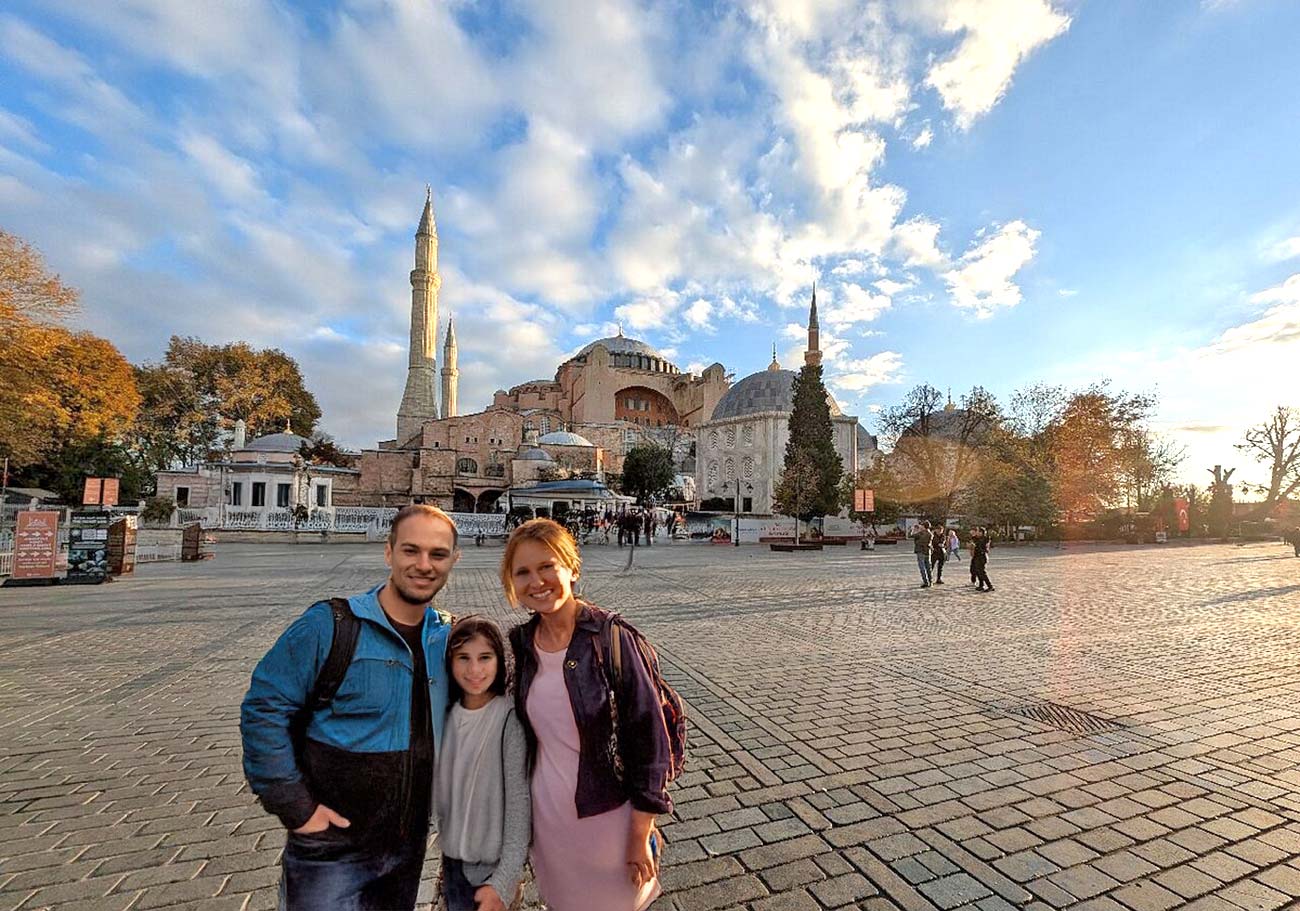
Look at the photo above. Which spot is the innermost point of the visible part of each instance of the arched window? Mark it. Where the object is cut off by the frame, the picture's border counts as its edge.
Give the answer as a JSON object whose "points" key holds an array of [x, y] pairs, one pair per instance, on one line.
{"points": [[747, 468], [466, 466], [729, 470], [546, 424], [712, 475]]}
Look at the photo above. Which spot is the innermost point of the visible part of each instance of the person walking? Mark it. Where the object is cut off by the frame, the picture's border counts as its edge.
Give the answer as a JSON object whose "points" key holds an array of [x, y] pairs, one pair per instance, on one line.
{"points": [[938, 554], [350, 773], [921, 541], [954, 545], [481, 779], [1294, 539], [600, 752], [980, 559]]}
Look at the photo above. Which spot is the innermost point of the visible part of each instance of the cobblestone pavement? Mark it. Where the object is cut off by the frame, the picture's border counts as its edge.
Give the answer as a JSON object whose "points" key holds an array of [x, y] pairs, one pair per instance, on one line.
{"points": [[1111, 729]]}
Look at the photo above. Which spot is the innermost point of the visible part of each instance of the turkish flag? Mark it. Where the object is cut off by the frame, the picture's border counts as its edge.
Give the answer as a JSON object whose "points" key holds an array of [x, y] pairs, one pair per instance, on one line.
{"points": [[1184, 519]]}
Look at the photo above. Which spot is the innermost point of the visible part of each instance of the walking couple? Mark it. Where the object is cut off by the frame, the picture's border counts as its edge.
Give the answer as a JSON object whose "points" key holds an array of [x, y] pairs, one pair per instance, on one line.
{"points": [[933, 549], [375, 715]]}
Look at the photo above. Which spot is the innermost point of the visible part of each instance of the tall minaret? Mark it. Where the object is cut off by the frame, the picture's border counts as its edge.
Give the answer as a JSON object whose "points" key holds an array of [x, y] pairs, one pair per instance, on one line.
{"points": [[450, 375], [814, 353], [419, 401]]}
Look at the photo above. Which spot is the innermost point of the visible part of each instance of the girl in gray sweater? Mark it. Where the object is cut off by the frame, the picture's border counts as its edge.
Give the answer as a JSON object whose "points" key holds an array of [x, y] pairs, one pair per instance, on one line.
{"points": [[481, 779]]}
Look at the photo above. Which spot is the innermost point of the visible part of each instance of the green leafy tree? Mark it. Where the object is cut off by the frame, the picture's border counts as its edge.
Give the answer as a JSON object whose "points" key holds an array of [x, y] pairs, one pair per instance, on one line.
{"points": [[647, 472], [811, 446], [199, 390], [65, 470]]}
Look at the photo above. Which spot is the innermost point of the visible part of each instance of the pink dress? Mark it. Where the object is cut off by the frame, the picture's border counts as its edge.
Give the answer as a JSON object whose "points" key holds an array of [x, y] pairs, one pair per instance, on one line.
{"points": [[580, 864]]}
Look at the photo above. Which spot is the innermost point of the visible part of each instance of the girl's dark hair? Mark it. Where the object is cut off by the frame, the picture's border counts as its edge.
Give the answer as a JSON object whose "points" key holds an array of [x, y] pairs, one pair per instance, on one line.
{"points": [[467, 628]]}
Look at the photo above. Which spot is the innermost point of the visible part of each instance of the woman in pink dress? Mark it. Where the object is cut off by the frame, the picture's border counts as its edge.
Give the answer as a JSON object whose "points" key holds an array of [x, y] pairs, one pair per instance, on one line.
{"points": [[598, 781]]}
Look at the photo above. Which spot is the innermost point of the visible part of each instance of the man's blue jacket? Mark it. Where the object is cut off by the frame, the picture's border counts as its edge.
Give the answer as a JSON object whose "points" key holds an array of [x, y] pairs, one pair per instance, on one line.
{"points": [[356, 758]]}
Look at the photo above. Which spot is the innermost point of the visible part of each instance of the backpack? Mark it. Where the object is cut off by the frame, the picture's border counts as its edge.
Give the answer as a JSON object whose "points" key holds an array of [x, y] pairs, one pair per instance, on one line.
{"points": [[330, 676], [670, 704]]}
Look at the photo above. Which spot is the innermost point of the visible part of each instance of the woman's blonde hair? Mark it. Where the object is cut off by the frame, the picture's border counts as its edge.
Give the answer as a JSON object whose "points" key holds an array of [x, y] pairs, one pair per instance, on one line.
{"points": [[552, 534]]}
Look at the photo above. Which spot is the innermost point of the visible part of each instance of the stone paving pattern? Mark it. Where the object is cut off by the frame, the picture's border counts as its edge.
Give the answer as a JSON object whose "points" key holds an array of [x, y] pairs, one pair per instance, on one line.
{"points": [[856, 742]]}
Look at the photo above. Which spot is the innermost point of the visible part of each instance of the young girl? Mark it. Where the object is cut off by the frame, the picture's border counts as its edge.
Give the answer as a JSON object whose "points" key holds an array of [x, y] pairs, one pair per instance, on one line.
{"points": [[481, 779]]}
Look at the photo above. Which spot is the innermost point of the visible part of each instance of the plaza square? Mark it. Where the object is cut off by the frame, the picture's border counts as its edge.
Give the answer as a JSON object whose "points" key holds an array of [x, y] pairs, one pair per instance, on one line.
{"points": [[1113, 728]]}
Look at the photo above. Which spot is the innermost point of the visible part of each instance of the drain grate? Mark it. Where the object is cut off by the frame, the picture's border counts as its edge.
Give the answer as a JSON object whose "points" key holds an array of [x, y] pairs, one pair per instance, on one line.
{"points": [[1066, 718]]}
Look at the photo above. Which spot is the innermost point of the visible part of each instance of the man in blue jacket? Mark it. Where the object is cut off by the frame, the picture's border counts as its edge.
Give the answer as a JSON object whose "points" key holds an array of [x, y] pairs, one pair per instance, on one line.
{"points": [[355, 793]]}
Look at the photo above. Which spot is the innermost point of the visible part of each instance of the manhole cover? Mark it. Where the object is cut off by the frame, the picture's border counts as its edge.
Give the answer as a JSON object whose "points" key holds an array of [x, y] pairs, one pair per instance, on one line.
{"points": [[1066, 718]]}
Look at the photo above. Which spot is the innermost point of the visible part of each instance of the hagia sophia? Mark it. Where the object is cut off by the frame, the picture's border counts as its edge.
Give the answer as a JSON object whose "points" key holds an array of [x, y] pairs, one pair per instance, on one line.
{"points": [[544, 441], [611, 395]]}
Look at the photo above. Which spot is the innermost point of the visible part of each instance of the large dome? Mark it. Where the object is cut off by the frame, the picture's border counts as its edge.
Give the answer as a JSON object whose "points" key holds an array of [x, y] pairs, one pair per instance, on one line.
{"points": [[770, 390], [620, 344]]}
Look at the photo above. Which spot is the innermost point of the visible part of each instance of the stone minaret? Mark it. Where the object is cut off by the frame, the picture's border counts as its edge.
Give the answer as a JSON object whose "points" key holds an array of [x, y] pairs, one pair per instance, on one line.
{"points": [[814, 353], [419, 401], [450, 375]]}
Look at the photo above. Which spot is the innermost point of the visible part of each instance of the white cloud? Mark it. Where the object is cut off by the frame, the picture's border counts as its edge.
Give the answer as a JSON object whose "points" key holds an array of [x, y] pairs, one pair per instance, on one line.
{"points": [[1283, 250], [889, 287], [234, 176], [982, 281], [997, 35], [923, 139], [917, 242], [699, 315], [861, 375], [855, 304], [649, 312]]}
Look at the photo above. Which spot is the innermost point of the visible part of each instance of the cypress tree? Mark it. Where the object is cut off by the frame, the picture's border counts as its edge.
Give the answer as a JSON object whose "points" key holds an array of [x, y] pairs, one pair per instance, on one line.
{"points": [[810, 434]]}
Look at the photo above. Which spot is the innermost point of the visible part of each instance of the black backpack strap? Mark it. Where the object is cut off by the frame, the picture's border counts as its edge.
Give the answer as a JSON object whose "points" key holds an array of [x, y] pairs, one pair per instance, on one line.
{"points": [[346, 630]]}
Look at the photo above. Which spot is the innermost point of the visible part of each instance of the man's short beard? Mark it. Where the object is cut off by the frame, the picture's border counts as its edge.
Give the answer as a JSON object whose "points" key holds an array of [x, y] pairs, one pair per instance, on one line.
{"points": [[413, 600]]}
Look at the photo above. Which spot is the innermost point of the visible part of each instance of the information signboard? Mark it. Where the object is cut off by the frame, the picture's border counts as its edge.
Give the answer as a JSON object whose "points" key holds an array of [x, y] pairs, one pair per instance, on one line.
{"points": [[88, 546], [864, 500], [36, 545], [121, 545]]}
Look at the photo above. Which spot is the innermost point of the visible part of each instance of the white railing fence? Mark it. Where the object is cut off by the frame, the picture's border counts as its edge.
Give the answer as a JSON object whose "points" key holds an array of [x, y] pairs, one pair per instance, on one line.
{"points": [[373, 521], [6, 563]]}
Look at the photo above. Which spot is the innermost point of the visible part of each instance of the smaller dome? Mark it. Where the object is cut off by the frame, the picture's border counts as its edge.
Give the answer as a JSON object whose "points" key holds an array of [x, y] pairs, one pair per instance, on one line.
{"points": [[278, 442], [770, 390], [564, 438], [533, 454]]}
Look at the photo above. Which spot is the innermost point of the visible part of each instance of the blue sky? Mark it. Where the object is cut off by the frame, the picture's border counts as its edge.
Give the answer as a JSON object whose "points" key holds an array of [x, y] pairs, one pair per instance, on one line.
{"points": [[986, 191]]}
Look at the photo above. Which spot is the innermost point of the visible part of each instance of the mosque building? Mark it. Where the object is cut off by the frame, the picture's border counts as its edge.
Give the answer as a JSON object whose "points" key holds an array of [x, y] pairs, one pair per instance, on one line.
{"points": [[612, 394], [743, 442]]}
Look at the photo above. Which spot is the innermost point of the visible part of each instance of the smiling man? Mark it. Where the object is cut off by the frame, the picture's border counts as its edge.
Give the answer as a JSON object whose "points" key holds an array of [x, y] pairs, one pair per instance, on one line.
{"points": [[350, 772]]}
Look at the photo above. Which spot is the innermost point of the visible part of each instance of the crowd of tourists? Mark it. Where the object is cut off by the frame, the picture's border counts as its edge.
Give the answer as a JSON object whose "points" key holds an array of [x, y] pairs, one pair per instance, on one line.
{"points": [[376, 717], [936, 545]]}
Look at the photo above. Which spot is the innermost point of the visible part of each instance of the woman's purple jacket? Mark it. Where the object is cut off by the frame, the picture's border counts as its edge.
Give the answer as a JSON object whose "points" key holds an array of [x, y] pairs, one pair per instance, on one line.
{"points": [[642, 738]]}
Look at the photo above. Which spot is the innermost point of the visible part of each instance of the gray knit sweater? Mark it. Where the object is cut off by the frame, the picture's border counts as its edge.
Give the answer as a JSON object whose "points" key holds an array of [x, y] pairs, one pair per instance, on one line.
{"points": [[509, 809]]}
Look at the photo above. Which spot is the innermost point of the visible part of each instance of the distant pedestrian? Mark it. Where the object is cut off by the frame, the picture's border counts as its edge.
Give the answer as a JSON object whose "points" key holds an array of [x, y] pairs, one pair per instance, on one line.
{"points": [[648, 525], [954, 545], [921, 541], [938, 554], [1294, 539], [979, 560]]}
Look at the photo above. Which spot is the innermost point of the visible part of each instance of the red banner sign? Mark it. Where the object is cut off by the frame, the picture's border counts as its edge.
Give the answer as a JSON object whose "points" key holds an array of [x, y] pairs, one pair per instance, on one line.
{"points": [[110, 492], [1181, 507], [36, 545], [864, 500]]}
